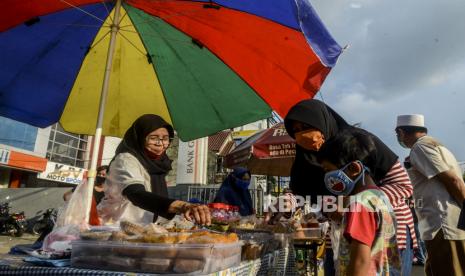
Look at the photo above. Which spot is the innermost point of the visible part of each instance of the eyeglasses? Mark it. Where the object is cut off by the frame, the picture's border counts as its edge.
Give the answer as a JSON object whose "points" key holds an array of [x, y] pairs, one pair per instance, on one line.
{"points": [[159, 140]]}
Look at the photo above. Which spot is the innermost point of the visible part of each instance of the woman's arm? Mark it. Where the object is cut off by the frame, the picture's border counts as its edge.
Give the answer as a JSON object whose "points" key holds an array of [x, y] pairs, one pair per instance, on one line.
{"points": [[164, 206], [141, 198]]}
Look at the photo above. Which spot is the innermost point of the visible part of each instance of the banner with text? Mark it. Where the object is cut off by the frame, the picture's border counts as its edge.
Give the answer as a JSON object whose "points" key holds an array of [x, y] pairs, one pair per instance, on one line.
{"points": [[192, 162], [62, 173]]}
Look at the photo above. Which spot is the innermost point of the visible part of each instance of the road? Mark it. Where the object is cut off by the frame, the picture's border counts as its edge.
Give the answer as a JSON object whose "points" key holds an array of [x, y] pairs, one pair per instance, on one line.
{"points": [[6, 242]]}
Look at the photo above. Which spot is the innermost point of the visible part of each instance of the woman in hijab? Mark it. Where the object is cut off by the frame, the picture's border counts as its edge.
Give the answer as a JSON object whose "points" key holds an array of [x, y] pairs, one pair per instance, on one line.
{"points": [[136, 187], [235, 191], [311, 123]]}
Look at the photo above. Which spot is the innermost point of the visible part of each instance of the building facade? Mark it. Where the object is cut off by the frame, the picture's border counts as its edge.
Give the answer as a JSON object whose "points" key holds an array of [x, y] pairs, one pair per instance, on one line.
{"points": [[23, 150]]}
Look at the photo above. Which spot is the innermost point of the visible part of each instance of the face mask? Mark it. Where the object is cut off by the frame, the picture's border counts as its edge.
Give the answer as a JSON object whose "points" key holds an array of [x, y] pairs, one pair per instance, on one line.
{"points": [[310, 139], [99, 180], [243, 184], [338, 183], [401, 143]]}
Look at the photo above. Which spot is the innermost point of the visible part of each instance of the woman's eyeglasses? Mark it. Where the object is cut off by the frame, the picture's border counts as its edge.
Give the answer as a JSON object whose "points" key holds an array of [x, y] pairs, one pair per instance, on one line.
{"points": [[159, 140]]}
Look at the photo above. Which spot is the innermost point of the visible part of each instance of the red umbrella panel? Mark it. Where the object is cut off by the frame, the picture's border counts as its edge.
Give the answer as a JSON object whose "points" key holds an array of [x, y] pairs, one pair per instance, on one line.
{"points": [[268, 152]]}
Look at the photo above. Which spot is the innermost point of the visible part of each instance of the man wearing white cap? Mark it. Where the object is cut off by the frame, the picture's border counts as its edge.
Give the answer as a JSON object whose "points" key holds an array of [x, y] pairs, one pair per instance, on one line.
{"points": [[438, 184]]}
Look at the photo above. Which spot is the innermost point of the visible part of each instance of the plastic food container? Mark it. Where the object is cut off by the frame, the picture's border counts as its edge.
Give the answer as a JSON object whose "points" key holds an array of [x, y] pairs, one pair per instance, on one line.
{"points": [[309, 233], [224, 213], [155, 258], [283, 240], [257, 244]]}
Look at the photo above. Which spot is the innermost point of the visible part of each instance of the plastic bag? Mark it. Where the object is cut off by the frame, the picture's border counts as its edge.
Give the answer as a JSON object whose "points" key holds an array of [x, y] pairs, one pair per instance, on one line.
{"points": [[71, 220], [59, 240], [78, 208]]}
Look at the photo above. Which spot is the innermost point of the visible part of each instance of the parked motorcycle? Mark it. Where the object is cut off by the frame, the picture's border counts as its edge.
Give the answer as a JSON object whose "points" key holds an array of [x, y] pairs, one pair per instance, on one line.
{"points": [[13, 224], [46, 223]]}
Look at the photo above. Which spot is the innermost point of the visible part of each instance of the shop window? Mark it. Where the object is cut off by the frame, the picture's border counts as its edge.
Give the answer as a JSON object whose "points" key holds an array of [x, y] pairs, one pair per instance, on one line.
{"points": [[17, 134], [66, 148]]}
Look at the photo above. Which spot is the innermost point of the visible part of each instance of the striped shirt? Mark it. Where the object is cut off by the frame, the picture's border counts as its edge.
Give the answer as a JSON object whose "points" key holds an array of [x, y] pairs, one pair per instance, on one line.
{"points": [[398, 188]]}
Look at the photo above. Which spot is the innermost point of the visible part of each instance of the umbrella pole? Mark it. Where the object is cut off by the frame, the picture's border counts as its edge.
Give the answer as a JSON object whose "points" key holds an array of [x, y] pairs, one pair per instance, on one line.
{"points": [[103, 98]]}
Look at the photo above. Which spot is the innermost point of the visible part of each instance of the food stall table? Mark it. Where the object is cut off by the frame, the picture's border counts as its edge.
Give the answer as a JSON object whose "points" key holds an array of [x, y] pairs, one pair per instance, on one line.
{"points": [[271, 264]]}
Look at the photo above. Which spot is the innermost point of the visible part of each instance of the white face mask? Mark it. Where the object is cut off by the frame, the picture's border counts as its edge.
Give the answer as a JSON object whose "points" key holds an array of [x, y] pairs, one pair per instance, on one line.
{"points": [[401, 143]]}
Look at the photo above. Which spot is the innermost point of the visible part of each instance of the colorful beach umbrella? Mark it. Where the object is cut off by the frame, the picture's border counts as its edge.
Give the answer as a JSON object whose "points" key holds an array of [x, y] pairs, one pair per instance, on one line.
{"points": [[268, 152], [204, 66]]}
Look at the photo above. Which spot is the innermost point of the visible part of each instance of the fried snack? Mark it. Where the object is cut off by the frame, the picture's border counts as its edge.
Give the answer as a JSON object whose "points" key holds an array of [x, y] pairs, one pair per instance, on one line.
{"points": [[188, 265], [119, 236], [157, 238], [182, 237], [205, 237], [156, 265], [153, 228], [135, 238], [131, 228], [120, 263], [163, 238], [96, 236]]}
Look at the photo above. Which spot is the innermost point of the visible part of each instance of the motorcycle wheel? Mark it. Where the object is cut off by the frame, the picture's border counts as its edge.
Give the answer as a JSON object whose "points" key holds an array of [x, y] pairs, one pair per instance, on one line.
{"points": [[14, 230], [37, 229]]}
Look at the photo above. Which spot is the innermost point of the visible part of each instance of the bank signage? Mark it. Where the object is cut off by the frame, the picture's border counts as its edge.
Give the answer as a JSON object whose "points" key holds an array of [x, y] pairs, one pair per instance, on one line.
{"points": [[192, 162], [62, 173]]}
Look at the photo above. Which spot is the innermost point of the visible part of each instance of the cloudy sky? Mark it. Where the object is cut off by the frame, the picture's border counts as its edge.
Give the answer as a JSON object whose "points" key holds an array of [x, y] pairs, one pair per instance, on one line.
{"points": [[404, 57]]}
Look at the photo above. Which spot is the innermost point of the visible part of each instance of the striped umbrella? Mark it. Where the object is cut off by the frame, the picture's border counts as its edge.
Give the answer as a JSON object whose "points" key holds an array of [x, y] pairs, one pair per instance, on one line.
{"points": [[95, 65], [204, 66]]}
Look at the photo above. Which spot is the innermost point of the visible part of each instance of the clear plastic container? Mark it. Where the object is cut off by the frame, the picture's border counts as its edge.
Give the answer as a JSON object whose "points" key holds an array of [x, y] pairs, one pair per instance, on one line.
{"points": [[309, 233], [257, 244], [155, 258], [283, 240], [223, 213]]}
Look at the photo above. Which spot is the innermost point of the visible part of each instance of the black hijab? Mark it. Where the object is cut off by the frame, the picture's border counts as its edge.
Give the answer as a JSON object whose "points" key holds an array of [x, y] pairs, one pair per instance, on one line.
{"points": [[230, 194], [307, 176], [134, 143], [317, 114]]}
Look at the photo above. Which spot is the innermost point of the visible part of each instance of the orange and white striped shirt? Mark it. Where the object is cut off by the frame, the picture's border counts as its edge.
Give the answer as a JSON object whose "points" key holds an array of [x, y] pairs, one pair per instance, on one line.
{"points": [[398, 188]]}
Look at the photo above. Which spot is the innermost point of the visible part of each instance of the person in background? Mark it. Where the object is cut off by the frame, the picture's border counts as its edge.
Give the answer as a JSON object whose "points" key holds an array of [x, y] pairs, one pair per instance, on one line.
{"points": [[98, 186], [368, 244], [437, 181], [235, 191], [311, 123], [99, 181], [136, 189]]}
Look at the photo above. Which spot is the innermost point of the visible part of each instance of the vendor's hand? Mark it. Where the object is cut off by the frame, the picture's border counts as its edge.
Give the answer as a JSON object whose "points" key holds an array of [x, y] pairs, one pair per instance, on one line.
{"points": [[197, 212]]}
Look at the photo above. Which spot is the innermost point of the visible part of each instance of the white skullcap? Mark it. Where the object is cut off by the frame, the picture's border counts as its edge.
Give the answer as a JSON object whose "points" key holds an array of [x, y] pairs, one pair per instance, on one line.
{"points": [[415, 120]]}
